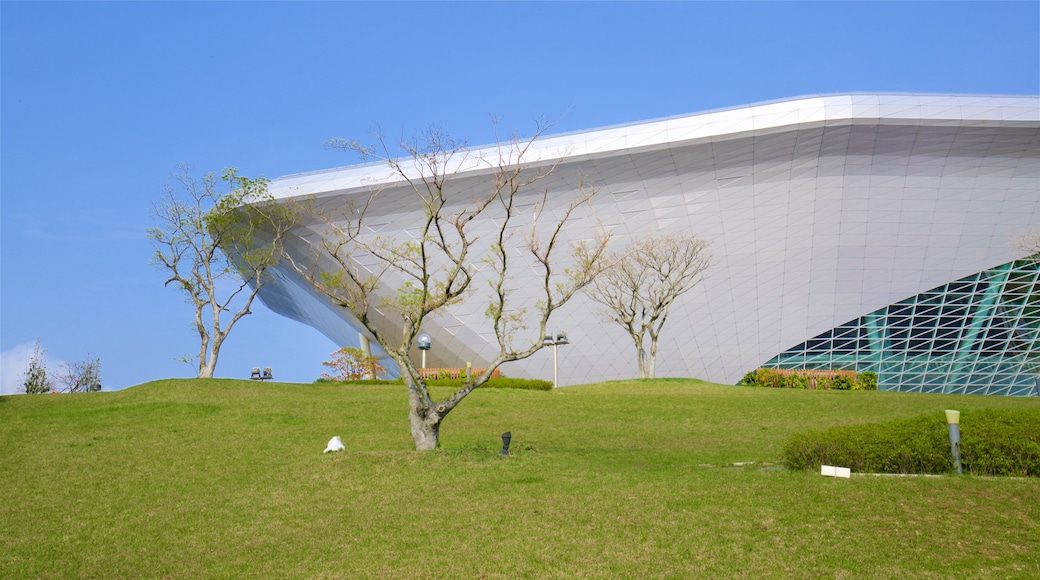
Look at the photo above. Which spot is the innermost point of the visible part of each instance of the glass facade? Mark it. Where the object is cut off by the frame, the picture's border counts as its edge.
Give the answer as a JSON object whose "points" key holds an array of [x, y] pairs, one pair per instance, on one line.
{"points": [[977, 335]]}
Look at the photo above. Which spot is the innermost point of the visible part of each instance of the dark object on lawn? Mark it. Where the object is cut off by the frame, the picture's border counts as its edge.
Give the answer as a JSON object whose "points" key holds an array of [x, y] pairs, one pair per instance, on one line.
{"points": [[505, 442]]}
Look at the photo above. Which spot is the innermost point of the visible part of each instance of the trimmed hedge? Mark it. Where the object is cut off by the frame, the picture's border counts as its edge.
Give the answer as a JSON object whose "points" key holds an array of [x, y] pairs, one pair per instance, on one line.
{"points": [[993, 442], [326, 381], [1001, 442], [495, 383]]}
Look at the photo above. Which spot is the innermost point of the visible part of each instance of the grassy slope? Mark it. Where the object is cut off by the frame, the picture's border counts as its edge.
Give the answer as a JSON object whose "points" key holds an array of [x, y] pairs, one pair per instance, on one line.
{"points": [[192, 478]]}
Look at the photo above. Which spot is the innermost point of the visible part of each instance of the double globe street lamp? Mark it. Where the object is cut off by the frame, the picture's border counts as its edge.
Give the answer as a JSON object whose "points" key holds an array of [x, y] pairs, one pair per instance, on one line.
{"points": [[555, 342]]}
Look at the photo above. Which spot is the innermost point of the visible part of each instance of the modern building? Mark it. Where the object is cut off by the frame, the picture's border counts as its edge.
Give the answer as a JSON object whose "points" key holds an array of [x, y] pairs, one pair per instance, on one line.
{"points": [[867, 232]]}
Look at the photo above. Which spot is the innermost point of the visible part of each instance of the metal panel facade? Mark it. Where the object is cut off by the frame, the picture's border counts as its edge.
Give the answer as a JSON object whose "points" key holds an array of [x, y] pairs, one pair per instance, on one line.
{"points": [[820, 210]]}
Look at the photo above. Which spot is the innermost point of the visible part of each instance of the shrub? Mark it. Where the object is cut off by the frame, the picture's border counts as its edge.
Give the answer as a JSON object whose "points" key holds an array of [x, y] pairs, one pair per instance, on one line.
{"points": [[767, 378], [1001, 442], [497, 383], [517, 383], [842, 383], [35, 380], [993, 442], [865, 381], [809, 379], [328, 381], [352, 364]]}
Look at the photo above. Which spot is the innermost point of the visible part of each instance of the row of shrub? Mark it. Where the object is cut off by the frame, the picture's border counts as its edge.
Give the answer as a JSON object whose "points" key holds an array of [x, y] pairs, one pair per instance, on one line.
{"points": [[811, 379], [493, 383], [993, 442]]}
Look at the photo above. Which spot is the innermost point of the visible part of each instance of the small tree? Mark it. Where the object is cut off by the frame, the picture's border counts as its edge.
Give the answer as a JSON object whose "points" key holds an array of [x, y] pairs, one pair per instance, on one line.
{"points": [[442, 256], [352, 364], [646, 278], [200, 226], [35, 379], [81, 376]]}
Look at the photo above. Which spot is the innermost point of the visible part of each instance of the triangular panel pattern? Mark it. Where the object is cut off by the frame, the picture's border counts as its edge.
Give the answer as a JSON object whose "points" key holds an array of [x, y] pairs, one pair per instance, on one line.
{"points": [[977, 335]]}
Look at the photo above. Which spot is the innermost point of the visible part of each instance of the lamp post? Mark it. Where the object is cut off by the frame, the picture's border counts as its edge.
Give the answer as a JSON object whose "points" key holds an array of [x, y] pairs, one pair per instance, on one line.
{"points": [[424, 345], [555, 342], [953, 419]]}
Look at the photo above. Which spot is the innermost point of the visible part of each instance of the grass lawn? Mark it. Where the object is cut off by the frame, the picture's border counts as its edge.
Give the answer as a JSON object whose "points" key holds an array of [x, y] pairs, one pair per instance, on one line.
{"points": [[627, 479]]}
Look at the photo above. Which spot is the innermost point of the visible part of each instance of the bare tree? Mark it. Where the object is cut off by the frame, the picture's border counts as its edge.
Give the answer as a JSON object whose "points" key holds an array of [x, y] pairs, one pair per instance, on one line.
{"points": [[646, 278], [81, 376], [443, 259], [200, 226]]}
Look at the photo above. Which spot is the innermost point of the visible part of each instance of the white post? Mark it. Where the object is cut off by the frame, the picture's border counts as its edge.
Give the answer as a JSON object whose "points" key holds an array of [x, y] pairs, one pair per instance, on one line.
{"points": [[953, 420], [556, 381]]}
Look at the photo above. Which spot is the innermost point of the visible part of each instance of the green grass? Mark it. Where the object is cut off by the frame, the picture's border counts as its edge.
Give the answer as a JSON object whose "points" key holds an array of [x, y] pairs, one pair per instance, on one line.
{"points": [[223, 478]]}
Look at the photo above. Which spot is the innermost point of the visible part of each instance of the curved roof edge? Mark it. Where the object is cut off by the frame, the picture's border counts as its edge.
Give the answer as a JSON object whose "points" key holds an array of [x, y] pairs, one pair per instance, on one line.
{"points": [[1018, 110]]}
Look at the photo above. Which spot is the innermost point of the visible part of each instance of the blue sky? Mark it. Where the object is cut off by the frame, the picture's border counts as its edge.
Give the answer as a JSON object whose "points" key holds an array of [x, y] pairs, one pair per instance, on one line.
{"points": [[100, 102]]}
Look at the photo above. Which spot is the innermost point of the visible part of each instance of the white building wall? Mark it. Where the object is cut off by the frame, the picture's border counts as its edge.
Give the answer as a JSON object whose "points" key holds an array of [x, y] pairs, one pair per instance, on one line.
{"points": [[819, 211]]}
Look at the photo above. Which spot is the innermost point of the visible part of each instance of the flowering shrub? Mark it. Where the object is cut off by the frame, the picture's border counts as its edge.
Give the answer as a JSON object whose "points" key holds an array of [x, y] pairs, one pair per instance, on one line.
{"points": [[352, 364]]}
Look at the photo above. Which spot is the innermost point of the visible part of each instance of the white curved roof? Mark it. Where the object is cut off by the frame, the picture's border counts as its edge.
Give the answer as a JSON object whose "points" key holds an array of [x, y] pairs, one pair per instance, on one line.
{"points": [[761, 118], [820, 209]]}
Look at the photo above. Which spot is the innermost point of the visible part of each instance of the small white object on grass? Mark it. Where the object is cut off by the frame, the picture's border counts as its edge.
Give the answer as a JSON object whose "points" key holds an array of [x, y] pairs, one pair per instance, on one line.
{"points": [[833, 471], [335, 444]]}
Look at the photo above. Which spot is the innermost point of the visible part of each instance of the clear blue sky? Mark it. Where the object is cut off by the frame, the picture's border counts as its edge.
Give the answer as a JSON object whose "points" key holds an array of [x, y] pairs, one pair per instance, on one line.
{"points": [[102, 101]]}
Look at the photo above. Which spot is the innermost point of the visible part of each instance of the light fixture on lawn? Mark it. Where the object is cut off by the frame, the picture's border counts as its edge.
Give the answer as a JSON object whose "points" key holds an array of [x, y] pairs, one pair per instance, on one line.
{"points": [[953, 422], [555, 342]]}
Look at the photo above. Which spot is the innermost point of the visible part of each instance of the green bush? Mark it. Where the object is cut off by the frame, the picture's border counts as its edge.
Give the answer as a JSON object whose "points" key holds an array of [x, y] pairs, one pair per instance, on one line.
{"points": [[516, 383], [768, 377], [993, 442], [497, 383], [842, 383], [1001, 442], [865, 381], [328, 381]]}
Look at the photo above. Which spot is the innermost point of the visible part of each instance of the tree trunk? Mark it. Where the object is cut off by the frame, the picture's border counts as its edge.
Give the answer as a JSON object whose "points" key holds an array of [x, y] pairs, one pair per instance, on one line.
{"points": [[641, 355], [651, 367], [206, 369], [426, 428], [208, 366], [424, 418]]}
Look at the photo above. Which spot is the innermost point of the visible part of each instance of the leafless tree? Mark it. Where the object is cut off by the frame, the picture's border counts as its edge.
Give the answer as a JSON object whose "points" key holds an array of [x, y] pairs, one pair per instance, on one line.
{"points": [[646, 278], [200, 226], [81, 376], [392, 285]]}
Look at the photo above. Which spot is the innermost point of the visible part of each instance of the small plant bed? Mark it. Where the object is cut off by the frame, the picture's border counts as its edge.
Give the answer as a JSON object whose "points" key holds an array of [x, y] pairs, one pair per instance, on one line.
{"points": [[816, 379], [993, 442], [493, 383]]}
